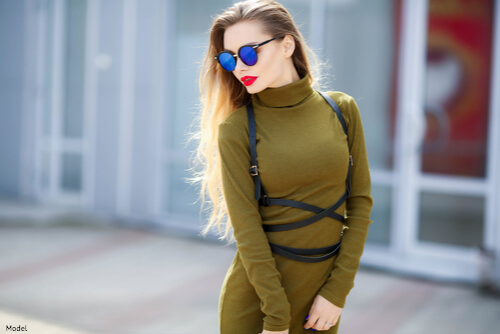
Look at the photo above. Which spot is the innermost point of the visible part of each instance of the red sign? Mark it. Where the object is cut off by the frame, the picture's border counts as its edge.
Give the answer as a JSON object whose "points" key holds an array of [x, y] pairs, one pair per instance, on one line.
{"points": [[459, 48]]}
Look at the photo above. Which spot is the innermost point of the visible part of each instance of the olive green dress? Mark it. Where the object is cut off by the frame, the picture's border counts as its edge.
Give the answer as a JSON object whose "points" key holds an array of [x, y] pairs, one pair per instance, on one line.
{"points": [[302, 154]]}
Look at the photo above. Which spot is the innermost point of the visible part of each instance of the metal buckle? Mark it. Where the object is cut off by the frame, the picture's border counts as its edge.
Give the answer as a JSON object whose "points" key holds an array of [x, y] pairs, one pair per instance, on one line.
{"points": [[351, 160], [264, 200], [254, 171]]}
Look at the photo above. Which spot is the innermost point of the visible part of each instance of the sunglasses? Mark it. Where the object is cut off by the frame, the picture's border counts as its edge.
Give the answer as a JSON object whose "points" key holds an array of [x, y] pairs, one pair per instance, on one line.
{"points": [[247, 54]]}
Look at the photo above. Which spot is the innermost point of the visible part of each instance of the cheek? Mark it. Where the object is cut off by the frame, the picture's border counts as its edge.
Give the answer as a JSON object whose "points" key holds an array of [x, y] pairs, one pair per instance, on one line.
{"points": [[270, 64]]}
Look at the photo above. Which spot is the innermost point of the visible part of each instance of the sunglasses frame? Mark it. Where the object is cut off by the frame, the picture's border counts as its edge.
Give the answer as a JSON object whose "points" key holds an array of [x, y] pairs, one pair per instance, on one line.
{"points": [[253, 46]]}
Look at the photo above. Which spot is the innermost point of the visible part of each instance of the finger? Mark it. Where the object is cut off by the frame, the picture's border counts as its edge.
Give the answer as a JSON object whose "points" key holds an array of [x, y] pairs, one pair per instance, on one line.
{"points": [[329, 324], [311, 321], [321, 325]]}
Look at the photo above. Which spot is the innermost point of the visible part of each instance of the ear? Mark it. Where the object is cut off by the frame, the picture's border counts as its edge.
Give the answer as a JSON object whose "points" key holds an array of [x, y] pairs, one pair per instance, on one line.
{"points": [[288, 45]]}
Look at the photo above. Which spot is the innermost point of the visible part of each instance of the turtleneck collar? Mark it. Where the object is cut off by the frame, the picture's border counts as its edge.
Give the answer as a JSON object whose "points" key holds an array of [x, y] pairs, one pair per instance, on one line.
{"points": [[285, 96]]}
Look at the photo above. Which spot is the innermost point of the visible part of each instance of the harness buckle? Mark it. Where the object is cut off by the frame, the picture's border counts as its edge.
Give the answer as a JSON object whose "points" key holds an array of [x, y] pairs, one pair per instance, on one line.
{"points": [[254, 171], [264, 200], [344, 227]]}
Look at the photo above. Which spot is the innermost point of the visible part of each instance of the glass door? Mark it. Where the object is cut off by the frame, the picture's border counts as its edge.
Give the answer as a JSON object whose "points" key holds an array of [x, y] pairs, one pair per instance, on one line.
{"points": [[60, 145], [447, 195], [454, 149]]}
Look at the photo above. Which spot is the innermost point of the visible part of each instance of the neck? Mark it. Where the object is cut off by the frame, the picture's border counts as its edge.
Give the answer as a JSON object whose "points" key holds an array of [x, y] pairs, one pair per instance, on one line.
{"points": [[289, 76], [285, 96]]}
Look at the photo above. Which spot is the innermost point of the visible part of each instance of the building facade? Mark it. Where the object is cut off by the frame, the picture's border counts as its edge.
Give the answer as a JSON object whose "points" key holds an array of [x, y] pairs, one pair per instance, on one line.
{"points": [[98, 97]]}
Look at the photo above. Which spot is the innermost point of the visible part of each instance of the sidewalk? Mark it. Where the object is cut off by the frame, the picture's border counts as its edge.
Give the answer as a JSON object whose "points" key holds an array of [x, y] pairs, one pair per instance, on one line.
{"points": [[80, 280]]}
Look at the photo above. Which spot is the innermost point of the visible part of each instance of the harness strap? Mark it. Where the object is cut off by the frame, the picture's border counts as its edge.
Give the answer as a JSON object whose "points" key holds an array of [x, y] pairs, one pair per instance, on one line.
{"points": [[304, 206], [297, 254], [348, 180], [307, 221], [254, 169], [336, 108]]}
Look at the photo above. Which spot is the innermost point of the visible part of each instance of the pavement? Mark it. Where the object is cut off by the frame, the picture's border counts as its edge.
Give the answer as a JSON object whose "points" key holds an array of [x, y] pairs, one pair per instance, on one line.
{"points": [[81, 279]]}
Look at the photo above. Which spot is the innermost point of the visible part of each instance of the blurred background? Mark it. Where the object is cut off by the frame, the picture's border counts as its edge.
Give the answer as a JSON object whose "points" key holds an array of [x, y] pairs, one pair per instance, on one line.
{"points": [[97, 98]]}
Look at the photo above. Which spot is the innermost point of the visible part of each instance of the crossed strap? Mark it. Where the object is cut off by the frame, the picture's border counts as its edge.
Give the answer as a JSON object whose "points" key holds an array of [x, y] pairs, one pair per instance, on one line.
{"points": [[298, 254]]}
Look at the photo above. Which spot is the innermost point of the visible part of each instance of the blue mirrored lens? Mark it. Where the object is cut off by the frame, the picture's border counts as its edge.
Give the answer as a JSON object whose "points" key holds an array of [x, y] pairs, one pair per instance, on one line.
{"points": [[227, 61], [248, 55]]}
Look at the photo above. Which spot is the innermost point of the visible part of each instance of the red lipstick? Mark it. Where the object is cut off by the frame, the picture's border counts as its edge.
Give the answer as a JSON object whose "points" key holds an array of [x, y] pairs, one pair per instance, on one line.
{"points": [[248, 80]]}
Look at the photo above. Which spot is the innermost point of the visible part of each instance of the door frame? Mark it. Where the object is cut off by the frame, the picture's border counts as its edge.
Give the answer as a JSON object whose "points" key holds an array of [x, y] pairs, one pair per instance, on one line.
{"points": [[55, 144], [405, 252]]}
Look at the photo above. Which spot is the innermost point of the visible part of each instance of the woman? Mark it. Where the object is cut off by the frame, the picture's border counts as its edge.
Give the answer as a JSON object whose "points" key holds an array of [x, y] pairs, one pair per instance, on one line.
{"points": [[284, 278]]}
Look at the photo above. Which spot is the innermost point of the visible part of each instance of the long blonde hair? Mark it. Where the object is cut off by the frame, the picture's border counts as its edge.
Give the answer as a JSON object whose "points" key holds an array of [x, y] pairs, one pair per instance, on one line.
{"points": [[221, 93]]}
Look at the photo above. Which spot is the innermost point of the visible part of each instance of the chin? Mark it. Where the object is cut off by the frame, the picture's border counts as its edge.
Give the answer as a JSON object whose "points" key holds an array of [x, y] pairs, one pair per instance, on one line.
{"points": [[254, 89]]}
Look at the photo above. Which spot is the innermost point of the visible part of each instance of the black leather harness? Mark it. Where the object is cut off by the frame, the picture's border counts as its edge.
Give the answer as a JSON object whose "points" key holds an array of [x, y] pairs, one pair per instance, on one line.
{"points": [[309, 255]]}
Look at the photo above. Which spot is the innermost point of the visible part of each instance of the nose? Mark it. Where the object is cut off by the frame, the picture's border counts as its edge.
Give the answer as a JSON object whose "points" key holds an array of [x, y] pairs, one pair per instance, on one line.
{"points": [[240, 66]]}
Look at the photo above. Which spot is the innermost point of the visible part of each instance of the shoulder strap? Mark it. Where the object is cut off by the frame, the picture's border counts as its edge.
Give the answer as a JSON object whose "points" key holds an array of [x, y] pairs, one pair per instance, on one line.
{"points": [[335, 107], [252, 137], [260, 193]]}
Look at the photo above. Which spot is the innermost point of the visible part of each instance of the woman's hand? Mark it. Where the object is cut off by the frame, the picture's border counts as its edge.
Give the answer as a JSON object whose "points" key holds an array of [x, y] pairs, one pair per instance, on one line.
{"points": [[323, 315], [272, 332]]}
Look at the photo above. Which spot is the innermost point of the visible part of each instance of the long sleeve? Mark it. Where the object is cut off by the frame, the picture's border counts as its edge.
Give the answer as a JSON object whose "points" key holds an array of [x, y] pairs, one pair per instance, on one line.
{"points": [[252, 242], [358, 208]]}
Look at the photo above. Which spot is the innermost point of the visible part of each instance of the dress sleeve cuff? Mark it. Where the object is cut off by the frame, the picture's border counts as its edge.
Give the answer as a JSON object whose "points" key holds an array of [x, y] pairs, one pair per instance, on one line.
{"points": [[332, 298]]}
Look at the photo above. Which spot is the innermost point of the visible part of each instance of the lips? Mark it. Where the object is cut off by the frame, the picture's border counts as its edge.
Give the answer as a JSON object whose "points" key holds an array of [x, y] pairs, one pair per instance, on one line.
{"points": [[248, 80]]}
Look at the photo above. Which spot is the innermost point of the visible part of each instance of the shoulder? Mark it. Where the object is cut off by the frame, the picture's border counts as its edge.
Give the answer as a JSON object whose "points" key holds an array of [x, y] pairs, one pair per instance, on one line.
{"points": [[235, 124], [343, 100], [347, 105]]}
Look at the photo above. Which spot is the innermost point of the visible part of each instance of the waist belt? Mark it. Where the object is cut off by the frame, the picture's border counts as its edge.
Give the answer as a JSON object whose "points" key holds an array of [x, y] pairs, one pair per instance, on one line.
{"points": [[309, 255]]}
